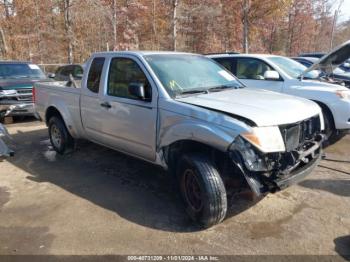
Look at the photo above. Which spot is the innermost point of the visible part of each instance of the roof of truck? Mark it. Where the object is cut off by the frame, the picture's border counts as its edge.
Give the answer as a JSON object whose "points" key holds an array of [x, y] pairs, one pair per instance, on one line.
{"points": [[140, 52]]}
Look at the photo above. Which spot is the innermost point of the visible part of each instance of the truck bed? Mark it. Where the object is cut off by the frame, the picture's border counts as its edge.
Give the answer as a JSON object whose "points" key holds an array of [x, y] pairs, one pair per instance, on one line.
{"points": [[65, 98], [62, 85]]}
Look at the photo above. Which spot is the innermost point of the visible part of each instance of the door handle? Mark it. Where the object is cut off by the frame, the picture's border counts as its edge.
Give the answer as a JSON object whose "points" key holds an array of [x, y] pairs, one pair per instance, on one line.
{"points": [[106, 105]]}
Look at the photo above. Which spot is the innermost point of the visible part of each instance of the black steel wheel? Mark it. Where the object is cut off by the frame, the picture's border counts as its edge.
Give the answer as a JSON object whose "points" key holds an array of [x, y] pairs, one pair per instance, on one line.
{"points": [[202, 190]]}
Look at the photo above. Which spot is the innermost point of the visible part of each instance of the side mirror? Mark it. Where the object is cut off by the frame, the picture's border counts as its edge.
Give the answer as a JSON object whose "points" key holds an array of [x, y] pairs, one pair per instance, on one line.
{"points": [[271, 75], [51, 75], [137, 90]]}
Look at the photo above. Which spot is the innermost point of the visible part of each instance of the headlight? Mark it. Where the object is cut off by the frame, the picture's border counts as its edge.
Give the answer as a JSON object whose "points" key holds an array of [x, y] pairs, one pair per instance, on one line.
{"points": [[252, 160], [343, 94], [266, 139]]}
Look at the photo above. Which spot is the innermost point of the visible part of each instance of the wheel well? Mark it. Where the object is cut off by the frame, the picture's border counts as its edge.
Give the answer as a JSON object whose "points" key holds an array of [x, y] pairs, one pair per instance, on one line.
{"points": [[174, 152], [229, 172], [325, 108], [50, 112]]}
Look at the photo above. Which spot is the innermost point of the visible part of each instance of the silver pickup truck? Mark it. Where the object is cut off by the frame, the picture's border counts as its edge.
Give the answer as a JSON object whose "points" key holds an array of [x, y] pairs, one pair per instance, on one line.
{"points": [[191, 116]]}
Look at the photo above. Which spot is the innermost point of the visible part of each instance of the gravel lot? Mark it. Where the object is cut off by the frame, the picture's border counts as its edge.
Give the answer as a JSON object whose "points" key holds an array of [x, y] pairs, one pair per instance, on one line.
{"points": [[97, 201]]}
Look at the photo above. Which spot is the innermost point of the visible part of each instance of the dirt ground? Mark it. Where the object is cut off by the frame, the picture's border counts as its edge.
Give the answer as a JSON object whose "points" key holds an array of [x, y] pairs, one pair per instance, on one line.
{"points": [[97, 201]]}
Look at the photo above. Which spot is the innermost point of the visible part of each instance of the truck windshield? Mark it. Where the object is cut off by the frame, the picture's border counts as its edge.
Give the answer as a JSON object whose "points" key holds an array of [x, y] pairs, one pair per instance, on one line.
{"points": [[190, 74], [20, 70], [293, 68]]}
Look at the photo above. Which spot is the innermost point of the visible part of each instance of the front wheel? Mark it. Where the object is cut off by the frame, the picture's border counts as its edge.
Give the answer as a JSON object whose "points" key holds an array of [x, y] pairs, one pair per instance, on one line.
{"points": [[202, 189], [331, 134], [329, 128], [60, 139]]}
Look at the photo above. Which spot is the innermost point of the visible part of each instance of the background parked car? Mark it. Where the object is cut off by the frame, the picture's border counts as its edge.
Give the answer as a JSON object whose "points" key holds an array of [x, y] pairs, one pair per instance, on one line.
{"points": [[282, 74], [338, 75], [16, 84], [313, 54], [63, 72], [345, 66]]}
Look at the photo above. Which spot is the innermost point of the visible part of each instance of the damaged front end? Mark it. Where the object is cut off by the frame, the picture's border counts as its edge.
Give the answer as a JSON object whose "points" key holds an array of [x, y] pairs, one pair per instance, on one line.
{"points": [[270, 172]]}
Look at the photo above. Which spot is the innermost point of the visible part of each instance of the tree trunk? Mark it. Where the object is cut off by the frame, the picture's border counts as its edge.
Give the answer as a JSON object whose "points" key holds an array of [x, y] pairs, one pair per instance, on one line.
{"points": [[114, 23], [38, 31], [68, 30], [245, 26], [175, 4], [3, 46], [154, 28]]}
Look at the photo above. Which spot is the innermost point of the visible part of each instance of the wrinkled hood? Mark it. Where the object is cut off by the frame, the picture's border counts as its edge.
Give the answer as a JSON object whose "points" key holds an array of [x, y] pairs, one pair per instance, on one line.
{"points": [[264, 108], [314, 85], [332, 60]]}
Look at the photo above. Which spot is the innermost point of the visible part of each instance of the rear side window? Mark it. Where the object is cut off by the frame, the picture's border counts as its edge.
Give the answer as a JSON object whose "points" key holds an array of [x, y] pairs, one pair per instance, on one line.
{"points": [[78, 70], [65, 71], [94, 77]]}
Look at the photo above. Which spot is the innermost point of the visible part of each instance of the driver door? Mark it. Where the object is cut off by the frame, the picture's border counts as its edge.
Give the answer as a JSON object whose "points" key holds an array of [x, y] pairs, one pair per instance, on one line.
{"points": [[129, 122]]}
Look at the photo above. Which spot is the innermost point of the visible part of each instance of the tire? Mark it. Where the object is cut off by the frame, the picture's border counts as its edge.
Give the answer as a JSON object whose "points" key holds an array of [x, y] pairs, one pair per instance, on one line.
{"points": [[332, 135], [202, 190], [329, 128], [60, 139]]}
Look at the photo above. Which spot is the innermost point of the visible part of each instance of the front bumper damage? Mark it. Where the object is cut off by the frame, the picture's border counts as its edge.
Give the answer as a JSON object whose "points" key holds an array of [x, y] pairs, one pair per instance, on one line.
{"points": [[280, 170]]}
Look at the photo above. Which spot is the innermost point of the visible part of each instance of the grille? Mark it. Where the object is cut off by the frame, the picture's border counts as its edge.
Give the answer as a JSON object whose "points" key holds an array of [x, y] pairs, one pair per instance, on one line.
{"points": [[295, 135], [24, 94]]}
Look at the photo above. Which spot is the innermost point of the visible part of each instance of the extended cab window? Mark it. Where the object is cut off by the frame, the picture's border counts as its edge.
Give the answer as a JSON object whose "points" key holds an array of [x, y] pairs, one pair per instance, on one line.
{"points": [[78, 70], [250, 68], [123, 72], [94, 77], [66, 70]]}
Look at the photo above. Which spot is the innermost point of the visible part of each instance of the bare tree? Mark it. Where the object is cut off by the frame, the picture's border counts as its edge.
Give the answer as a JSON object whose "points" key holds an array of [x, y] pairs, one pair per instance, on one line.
{"points": [[245, 26], [3, 45], [114, 22], [68, 29], [336, 12], [175, 5], [154, 26]]}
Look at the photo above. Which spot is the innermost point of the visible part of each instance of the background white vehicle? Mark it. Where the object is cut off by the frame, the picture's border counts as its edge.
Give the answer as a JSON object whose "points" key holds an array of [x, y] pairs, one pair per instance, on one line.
{"points": [[282, 74]]}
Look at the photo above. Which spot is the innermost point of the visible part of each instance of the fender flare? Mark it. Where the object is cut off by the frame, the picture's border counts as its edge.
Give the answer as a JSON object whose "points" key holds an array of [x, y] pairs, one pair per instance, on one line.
{"points": [[61, 107], [199, 132]]}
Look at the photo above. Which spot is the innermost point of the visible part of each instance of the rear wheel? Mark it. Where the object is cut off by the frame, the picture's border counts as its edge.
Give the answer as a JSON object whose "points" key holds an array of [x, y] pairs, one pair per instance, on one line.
{"points": [[60, 139], [202, 189]]}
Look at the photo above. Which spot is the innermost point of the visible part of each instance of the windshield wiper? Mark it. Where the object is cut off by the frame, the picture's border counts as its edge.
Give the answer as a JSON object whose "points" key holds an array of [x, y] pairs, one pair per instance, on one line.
{"points": [[219, 88], [194, 91]]}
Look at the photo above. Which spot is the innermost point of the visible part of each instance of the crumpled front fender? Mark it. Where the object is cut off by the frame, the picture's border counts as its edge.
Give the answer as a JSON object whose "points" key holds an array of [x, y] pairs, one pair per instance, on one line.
{"points": [[192, 130]]}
